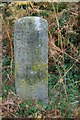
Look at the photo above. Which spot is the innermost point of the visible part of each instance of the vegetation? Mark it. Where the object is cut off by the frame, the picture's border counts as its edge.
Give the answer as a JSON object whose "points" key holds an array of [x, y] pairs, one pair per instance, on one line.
{"points": [[63, 65]]}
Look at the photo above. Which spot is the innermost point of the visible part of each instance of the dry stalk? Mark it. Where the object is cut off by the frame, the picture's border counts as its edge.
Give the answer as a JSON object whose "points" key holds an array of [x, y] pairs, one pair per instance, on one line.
{"points": [[11, 47]]}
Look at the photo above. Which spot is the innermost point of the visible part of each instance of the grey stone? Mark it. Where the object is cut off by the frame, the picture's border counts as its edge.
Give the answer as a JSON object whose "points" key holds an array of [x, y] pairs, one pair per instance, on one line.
{"points": [[31, 58]]}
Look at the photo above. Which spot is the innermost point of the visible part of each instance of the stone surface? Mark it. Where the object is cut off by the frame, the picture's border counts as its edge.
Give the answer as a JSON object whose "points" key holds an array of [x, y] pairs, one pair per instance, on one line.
{"points": [[31, 58]]}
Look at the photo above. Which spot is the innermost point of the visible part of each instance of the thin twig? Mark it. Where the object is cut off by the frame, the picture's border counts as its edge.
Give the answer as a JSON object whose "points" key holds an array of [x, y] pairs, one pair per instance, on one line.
{"points": [[64, 74], [11, 47]]}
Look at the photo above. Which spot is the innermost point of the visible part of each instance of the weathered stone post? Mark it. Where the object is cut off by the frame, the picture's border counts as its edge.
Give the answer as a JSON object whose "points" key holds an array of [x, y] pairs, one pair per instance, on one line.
{"points": [[31, 58]]}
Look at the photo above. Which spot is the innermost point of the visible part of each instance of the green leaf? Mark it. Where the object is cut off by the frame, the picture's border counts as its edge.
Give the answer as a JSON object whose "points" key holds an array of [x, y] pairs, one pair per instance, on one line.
{"points": [[49, 107]]}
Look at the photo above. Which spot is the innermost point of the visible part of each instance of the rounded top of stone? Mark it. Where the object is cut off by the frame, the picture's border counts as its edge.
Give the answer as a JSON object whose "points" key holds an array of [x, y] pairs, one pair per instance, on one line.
{"points": [[31, 22], [32, 18]]}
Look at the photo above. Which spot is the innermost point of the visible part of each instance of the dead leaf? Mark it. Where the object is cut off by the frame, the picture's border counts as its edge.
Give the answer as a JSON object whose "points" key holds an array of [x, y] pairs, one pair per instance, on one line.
{"points": [[61, 80]]}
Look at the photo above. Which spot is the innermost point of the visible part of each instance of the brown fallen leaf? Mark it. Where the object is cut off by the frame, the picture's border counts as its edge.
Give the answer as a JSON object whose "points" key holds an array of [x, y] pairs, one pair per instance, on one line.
{"points": [[61, 80]]}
